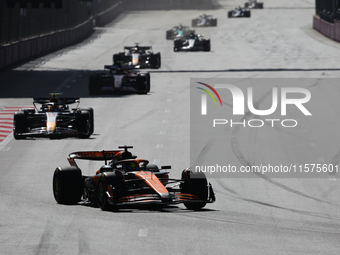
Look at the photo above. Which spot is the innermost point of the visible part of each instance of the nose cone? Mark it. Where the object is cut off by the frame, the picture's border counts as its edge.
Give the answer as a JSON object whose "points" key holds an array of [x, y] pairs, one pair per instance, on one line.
{"points": [[166, 197]]}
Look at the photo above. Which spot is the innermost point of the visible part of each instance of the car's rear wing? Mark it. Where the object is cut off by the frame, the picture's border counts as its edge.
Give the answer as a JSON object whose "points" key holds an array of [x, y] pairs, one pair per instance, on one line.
{"points": [[95, 155], [99, 155], [65, 100], [139, 47]]}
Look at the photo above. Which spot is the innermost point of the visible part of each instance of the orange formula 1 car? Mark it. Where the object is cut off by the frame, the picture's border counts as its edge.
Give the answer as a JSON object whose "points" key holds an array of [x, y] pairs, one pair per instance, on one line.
{"points": [[126, 180]]}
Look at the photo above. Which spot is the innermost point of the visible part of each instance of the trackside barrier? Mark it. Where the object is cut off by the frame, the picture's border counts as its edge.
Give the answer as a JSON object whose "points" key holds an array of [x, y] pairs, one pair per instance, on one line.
{"points": [[330, 30], [106, 16], [29, 48], [168, 5], [26, 49]]}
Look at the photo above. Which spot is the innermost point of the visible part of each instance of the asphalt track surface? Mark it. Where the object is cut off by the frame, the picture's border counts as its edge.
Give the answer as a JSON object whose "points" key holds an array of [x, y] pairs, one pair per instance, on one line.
{"points": [[250, 216]]}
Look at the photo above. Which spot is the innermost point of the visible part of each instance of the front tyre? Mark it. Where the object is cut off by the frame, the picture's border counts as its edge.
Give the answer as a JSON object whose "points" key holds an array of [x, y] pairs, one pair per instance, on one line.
{"points": [[83, 124], [109, 183], [91, 112], [195, 183]]}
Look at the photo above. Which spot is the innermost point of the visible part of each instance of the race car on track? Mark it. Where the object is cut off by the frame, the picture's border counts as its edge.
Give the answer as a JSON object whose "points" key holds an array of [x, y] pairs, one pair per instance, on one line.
{"points": [[239, 12], [138, 57], [53, 119], [119, 79], [204, 21], [125, 180], [192, 42], [253, 4], [178, 31]]}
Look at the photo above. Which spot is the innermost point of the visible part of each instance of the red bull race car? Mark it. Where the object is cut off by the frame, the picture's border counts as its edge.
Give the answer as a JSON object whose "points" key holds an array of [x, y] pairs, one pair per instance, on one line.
{"points": [[53, 119], [125, 180], [138, 57], [119, 79]]}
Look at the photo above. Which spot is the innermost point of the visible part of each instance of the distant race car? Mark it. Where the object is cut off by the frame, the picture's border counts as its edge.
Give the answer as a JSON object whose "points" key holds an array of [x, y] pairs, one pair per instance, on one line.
{"points": [[253, 4], [178, 31], [119, 79], [138, 57], [239, 12], [192, 43], [204, 21], [53, 119], [126, 180]]}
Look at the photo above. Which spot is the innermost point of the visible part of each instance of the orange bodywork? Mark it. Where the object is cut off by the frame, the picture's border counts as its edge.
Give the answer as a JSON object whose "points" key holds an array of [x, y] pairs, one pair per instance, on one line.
{"points": [[153, 182]]}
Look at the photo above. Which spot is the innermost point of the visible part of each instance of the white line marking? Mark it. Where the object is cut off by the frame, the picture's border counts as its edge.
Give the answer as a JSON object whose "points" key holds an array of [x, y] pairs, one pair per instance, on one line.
{"points": [[64, 83], [143, 232], [6, 141]]}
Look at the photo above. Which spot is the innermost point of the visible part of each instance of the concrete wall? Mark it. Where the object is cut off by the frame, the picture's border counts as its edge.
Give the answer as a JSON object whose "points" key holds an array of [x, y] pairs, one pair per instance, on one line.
{"points": [[331, 30], [29, 48]]}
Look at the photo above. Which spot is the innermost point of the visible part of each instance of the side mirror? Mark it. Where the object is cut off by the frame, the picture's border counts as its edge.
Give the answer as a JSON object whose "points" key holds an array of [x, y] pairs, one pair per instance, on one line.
{"points": [[165, 167]]}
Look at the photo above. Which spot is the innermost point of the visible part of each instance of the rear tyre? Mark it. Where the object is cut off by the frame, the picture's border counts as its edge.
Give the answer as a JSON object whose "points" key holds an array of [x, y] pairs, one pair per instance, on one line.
{"points": [[194, 22], [230, 14], [260, 5], [143, 83], [207, 45], [20, 125], [67, 185], [247, 14], [169, 35], [195, 183], [214, 22]]}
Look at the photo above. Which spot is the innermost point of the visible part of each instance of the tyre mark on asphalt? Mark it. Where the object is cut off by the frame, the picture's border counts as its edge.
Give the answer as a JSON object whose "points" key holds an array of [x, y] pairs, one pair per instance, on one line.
{"points": [[237, 151], [143, 117]]}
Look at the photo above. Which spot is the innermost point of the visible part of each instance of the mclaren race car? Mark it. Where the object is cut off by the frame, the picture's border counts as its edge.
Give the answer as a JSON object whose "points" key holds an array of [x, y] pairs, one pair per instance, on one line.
{"points": [[178, 31], [253, 4], [239, 12], [204, 21], [138, 57], [119, 79], [192, 42], [124, 180], [53, 119]]}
